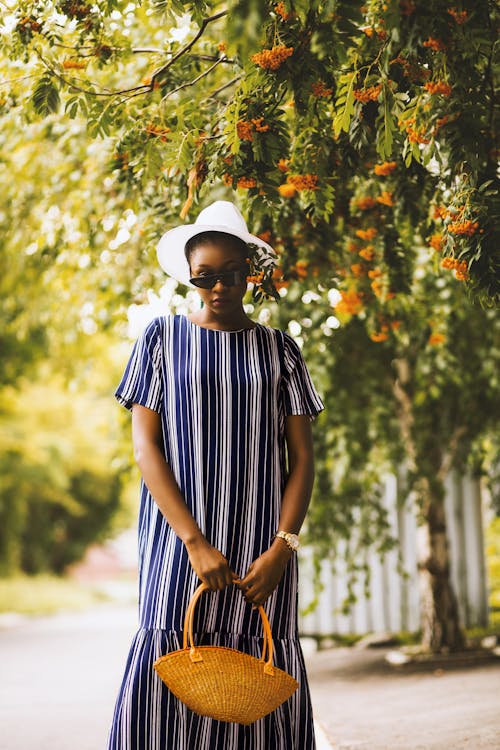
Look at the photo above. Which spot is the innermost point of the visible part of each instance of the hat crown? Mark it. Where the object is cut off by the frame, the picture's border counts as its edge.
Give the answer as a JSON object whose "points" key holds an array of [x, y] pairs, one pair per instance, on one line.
{"points": [[223, 214], [220, 216]]}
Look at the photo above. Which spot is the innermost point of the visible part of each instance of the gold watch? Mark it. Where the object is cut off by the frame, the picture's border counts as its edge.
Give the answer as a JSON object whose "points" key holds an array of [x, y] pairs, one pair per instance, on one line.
{"points": [[292, 540]]}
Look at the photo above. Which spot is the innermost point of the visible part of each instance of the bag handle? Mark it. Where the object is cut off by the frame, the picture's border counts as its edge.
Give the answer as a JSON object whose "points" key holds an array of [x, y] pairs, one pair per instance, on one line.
{"points": [[195, 655]]}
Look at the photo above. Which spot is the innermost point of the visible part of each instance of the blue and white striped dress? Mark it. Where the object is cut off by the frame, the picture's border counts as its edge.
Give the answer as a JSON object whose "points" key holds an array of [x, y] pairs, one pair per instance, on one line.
{"points": [[223, 397]]}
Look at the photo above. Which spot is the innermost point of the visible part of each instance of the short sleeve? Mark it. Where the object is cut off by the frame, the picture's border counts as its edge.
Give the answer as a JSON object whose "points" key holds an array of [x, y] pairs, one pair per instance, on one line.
{"points": [[299, 394], [141, 382]]}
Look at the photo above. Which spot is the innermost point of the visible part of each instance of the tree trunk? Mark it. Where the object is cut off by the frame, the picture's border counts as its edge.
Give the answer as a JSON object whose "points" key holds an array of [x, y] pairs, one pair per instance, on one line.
{"points": [[439, 614], [440, 622]]}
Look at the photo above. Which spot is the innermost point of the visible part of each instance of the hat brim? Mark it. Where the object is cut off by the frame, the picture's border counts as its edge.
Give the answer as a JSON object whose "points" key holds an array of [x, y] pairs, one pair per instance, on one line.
{"points": [[170, 248]]}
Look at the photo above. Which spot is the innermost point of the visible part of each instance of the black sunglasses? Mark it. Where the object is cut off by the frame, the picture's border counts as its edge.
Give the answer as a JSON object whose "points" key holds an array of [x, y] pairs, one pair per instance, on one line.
{"points": [[228, 278]]}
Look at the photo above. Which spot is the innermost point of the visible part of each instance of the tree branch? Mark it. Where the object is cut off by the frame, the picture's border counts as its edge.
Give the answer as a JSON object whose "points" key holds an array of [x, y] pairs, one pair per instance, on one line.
{"points": [[135, 50], [224, 86], [405, 408], [191, 83], [143, 88], [73, 85], [187, 46]]}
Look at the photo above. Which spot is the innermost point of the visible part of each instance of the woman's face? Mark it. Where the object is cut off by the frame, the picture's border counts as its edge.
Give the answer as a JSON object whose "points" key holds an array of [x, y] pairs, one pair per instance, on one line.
{"points": [[212, 258]]}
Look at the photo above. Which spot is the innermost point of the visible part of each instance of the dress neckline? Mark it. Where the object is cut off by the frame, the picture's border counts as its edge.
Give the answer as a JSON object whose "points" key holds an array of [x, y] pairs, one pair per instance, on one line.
{"points": [[219, 330]]}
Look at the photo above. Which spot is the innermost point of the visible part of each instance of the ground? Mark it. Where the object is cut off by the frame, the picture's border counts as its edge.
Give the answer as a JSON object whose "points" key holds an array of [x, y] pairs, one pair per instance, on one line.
{"points": [[60, 676], [362, 702]]}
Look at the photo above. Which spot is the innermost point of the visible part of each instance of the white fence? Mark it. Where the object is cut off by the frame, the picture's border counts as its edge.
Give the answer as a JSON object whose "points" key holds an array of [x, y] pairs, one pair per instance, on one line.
{"points": [[393, 604]]}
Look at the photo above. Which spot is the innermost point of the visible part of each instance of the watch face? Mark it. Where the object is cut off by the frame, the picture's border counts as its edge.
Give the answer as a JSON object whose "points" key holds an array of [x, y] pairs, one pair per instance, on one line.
{"points": [[291, 539]]}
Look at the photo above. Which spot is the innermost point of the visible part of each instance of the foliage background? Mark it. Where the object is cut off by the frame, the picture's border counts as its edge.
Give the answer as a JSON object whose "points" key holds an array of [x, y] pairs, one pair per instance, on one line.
{"points": [[359, 139]]}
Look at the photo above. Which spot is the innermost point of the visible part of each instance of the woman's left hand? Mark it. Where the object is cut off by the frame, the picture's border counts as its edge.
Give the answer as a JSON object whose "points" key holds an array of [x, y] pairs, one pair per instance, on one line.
{"points": [[265, 573]]}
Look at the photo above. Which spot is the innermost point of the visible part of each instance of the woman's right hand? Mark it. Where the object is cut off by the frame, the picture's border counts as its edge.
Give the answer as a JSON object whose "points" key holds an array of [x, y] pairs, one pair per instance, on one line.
{"points": [[209, 564]]}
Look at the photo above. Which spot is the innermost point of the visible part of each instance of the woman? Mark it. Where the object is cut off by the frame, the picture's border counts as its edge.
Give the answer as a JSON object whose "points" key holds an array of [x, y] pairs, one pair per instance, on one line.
{"points": [[221, 411]]}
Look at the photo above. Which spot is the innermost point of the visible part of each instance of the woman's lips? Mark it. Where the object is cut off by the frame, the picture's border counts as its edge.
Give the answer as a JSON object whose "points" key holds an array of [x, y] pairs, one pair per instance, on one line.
{"points": [[220, 301]]}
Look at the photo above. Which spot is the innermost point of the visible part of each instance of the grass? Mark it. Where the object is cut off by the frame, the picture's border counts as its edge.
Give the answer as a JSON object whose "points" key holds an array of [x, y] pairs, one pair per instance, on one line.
{"points": [[45, 595]]}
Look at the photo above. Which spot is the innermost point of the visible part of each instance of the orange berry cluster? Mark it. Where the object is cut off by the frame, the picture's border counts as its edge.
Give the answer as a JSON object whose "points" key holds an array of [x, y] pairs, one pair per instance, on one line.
{"points": [[386, 325], [436, 339], [415, 135], [358, 269], [367, 234], [435, 44], [256, 278], [320, 90], [439, 212], [382, 170], [30, 22], [436, 242], [369, 94], [259, 125], [300, 269], [287, 190], [366, 202], [378, 30], [438, 87], [76, 64], [278, 280], [460, 16], [247, 182], [271, 59], [246, 128], [368, 252], [467, 227], [385, 198], [378, 288], [350, 302], [460, 267], [282, 11], [303, 181], [381, 335]]}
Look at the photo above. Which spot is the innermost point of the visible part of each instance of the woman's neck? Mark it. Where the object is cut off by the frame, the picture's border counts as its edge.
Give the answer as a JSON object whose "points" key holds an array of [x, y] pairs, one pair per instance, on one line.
{"points": [[233, 323]]}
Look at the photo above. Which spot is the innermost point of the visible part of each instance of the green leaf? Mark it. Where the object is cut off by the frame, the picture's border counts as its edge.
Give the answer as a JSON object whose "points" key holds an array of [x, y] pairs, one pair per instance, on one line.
{"points": [[45, 97], [386, 124], [71, 107], [345, 104]]}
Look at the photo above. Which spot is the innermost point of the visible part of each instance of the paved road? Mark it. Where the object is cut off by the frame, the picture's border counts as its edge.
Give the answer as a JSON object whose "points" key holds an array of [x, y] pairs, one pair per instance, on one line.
{"points": [[365, 704], [60, 676]]}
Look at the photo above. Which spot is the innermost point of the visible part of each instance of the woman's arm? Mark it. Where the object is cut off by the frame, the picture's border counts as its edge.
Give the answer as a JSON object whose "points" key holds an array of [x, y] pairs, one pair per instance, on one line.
{"points": [[265, 573], [208, 563]]}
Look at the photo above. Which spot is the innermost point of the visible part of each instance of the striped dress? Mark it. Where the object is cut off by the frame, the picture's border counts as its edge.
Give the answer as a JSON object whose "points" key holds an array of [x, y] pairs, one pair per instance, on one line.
{"points": [[223, 397]]}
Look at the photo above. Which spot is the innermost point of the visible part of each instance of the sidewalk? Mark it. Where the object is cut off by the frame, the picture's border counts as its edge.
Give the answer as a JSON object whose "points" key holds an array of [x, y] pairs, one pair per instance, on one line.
{"points": [[363, 702], [61, 676]]}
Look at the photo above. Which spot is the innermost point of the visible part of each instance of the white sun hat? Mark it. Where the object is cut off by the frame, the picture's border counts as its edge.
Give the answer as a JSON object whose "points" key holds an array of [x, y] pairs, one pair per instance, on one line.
{"points": [[221, 216]]}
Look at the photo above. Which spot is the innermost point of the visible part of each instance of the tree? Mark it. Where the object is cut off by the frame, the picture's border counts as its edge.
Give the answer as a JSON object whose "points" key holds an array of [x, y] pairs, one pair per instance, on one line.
{"points": [[61, 478], [360, 138]]}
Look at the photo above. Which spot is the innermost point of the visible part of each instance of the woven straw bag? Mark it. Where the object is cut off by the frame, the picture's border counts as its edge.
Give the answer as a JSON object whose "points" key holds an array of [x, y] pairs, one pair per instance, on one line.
{"points": [[224, 683]]}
